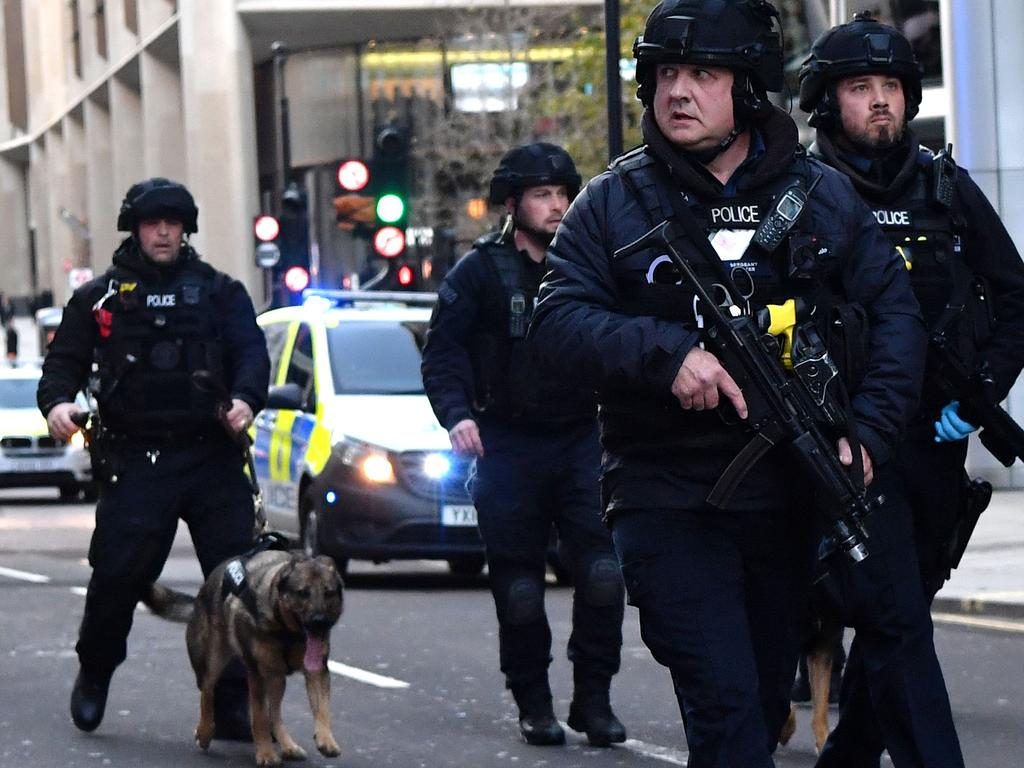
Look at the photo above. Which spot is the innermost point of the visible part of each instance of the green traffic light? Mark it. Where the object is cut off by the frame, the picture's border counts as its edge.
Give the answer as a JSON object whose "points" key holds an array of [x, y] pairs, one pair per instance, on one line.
{"points": [[390, 208]]}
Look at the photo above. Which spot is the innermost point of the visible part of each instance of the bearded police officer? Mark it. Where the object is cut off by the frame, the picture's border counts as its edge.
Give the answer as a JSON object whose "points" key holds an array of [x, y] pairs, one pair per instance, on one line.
{"points": [[135, 336], [536, 447], [861, 84], [721, 590]]}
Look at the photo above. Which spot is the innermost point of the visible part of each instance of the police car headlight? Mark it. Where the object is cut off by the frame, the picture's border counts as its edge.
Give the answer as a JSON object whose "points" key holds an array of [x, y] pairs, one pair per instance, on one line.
{"points": [[77, 440], [371, 462], [436, 465]]}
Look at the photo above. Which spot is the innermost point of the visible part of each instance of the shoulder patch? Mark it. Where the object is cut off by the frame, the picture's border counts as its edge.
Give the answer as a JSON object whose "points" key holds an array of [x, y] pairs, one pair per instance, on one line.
{"points": [[447, 294]]}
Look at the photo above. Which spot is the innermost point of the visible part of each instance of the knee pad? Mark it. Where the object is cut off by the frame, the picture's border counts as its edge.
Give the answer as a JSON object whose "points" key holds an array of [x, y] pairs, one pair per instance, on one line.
{"points": [[602, 586], [525, 601]]}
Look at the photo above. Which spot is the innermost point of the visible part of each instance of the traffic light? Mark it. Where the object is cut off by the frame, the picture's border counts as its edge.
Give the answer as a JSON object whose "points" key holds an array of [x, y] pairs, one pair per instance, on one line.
{"points": [[403, 275], [356, 209], [266, 229], [292, 272], [391, 171]]}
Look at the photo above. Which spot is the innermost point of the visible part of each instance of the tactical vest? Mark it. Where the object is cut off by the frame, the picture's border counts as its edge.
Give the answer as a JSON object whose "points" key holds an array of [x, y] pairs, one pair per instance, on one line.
{"points": [[511, 382], [929, 235], [799, 267], [152, 337]]}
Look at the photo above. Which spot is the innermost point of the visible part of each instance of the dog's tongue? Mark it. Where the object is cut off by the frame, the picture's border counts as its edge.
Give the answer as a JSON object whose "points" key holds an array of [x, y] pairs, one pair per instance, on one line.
{"points": [[314, 660]]}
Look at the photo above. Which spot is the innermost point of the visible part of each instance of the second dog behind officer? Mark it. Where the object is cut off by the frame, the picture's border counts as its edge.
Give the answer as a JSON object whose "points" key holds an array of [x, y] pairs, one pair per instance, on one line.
{"points": [[535, 439]]}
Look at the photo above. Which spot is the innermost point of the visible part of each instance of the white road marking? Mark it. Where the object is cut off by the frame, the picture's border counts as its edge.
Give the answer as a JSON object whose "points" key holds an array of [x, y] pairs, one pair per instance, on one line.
{"points": [[363, 676], [35, 578], [977, 621], [665, 754], [80, 591]]}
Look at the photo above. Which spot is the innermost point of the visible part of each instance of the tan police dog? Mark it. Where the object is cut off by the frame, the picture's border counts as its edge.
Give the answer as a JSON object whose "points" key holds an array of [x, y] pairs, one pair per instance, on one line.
{"points": [[275, 612]]}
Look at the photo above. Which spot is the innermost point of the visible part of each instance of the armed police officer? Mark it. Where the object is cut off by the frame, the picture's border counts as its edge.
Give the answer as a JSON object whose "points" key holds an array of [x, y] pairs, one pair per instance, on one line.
{"points": [[861, 84], [721, 590], [534, 437], [134, 336]]}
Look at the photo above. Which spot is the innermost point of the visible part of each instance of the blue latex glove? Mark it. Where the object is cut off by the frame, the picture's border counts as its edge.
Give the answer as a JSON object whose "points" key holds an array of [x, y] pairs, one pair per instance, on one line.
{"points": [[950, 426]]}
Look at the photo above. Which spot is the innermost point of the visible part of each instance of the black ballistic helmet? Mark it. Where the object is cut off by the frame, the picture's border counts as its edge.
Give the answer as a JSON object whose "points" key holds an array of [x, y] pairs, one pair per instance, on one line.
{"points": [[156, 196], [533, 165], [738, 35], [863, 46]]}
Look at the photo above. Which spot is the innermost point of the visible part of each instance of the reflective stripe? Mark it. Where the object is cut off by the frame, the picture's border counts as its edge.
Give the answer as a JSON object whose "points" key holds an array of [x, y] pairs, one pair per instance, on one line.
{"points": [[281, 446]]}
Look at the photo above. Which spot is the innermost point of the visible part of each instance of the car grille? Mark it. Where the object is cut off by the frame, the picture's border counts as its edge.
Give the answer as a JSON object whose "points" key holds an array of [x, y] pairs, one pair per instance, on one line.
{"points": [[436, 534], [17, 445], [451, 488]]}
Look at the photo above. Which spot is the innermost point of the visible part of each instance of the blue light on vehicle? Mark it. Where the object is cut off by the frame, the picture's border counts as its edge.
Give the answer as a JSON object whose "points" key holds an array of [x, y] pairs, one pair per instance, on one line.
{"points": [[330, 497], [317, 303], [436, 466]]}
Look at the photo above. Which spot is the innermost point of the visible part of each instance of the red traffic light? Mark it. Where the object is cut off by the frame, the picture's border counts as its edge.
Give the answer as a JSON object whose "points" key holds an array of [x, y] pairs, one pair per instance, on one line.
{"points": [[353, 175], [296, 279], [266, 228], [389, 242], [405, 275]]}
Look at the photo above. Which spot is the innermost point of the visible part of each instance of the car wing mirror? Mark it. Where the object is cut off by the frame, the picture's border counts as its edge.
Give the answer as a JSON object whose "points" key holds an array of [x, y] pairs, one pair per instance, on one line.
{"points": [[285, 397]]}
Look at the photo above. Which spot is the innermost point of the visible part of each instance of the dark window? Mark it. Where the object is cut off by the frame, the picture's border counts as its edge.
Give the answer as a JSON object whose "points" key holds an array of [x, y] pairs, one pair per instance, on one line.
{"points": [[17, 93], [101, 27], [18, 393], [376, 357], [131, 15], [300, 367], [276, 334], [76, 37]]}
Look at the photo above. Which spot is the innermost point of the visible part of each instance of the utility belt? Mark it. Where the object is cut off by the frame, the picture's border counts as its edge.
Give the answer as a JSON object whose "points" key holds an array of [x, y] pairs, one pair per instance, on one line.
{"points": [[111, 452]]}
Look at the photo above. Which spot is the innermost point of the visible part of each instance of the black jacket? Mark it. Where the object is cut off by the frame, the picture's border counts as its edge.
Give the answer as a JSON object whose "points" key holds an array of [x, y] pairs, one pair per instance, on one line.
{"points": [[988, 251], [632, 358], [70, 355], [472, 369]]}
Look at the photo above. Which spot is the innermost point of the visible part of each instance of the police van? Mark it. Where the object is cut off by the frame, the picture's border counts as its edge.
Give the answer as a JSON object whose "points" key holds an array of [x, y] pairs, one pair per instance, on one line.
{"points": [[348, 452]]}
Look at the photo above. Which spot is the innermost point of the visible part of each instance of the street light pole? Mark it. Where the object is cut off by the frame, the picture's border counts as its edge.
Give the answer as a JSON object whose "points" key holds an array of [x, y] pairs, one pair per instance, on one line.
{"points": [[280, 51], [613, 54]]}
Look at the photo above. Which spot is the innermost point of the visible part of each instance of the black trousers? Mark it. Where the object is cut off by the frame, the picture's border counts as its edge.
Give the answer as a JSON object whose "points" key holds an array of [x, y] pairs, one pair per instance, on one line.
{"points": [[201, 483], [525, 483], [893, 694], [722, 595]]}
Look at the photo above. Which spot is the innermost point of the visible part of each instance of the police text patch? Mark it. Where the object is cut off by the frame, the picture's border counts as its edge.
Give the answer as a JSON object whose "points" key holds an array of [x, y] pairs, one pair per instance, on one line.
{"points": [[892, 218], [737, 215]]}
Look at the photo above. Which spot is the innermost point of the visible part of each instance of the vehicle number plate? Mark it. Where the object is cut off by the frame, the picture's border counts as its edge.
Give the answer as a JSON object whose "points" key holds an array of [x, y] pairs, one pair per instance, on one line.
{"points": [[458, 515]]}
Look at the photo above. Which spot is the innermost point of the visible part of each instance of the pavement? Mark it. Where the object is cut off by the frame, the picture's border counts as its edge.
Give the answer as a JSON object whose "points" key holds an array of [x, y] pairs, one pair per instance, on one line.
{"points": [[990, 579]]}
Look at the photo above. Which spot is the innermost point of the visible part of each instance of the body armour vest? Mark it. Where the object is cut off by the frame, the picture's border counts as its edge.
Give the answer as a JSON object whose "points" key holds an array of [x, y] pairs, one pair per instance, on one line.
{"points": [[929, 235], [802, 266], [511, 383], [152, 336]]}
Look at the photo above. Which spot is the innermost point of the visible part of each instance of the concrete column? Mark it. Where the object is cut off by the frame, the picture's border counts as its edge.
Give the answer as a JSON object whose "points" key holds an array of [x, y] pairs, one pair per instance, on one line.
{"points": [[220, 133], [17, 280], [162, 126], [101, 210], [986, 110], [128, 164], [61, 241], [72, 197], [39, 204]]}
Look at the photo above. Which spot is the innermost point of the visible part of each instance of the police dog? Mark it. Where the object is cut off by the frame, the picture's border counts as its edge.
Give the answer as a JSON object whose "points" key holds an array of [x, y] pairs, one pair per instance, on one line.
{"points": [[274, 611]]}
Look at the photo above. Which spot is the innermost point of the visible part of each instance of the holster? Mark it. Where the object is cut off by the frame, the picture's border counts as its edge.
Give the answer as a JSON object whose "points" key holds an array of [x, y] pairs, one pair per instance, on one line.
{"points": [[975, 496]]}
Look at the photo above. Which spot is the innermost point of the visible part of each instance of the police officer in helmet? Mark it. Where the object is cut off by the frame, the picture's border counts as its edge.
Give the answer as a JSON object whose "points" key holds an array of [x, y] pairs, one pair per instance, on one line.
{"points": [[165, 450], [534, 437], [720, 590], [861, 85]]}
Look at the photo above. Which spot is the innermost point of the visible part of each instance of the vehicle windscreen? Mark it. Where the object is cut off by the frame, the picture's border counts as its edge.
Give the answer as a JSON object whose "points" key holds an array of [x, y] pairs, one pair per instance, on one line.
{"points": [[18, 393], [376, 357]]}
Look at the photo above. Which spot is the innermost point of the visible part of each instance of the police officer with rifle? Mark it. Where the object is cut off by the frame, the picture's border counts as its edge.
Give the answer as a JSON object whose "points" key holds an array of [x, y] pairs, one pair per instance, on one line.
{"points": [[861, 85], [689, 284], [138, 337], [534, 437]]}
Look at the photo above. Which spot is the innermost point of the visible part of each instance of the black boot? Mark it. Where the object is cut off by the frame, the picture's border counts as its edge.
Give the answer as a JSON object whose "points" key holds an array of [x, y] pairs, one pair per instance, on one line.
{"points": [[537, 721], [591, 712], [89, 699], [231, 710]]}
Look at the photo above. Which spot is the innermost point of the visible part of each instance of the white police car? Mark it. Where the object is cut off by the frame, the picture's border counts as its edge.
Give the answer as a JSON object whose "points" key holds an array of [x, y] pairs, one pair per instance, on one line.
{"points": [[29, 457], [348, 452]]}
